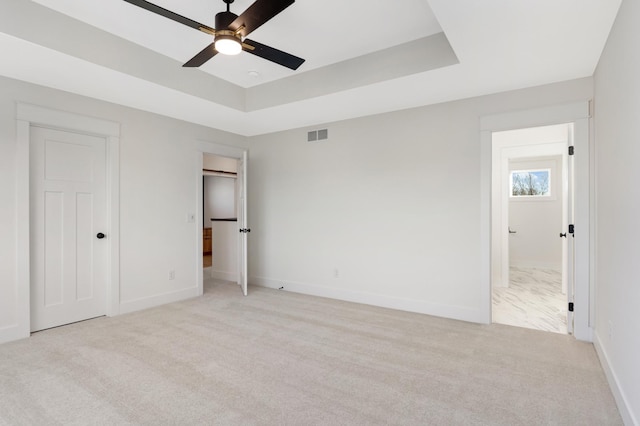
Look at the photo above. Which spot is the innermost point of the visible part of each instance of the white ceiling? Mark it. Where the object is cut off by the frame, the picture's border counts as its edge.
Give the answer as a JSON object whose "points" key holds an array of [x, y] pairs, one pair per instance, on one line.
{"points": [[495, 45]]}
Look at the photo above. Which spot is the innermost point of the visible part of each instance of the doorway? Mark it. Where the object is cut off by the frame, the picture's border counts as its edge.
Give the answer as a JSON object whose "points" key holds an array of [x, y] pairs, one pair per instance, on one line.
{"points": [[222, 211], [531, 206], [580, 282], [220, 217]]}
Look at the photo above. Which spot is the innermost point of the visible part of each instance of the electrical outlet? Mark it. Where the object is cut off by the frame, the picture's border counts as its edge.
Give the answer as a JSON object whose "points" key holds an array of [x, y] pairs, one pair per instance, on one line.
{"points": [[172, 274], [336, 273]]}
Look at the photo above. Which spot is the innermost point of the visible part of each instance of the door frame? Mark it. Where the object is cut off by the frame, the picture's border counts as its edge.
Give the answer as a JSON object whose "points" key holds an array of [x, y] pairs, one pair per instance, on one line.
{"points": [[579, 114], [28, 115], [213, 148]]}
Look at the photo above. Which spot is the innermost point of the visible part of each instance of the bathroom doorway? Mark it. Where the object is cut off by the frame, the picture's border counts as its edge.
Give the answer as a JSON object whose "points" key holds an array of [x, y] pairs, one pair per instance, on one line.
{"points": [[532, 209]]}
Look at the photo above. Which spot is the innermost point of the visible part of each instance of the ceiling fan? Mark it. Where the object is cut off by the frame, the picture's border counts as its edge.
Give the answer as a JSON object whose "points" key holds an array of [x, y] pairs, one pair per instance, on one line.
{"points": [[231, 31]]}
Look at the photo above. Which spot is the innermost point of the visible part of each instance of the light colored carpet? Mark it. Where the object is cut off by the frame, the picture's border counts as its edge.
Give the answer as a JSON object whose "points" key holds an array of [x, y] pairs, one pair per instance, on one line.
{"points": [[533, 299], [279, 358]]}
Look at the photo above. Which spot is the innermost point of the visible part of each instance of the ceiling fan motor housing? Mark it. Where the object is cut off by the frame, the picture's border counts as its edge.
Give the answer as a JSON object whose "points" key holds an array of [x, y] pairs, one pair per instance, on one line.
{"points": [[224, 19]]}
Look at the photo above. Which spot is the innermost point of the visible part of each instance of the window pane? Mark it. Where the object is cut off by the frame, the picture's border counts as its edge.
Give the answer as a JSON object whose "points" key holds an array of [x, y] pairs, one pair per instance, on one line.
{"points": [[531, 183]]}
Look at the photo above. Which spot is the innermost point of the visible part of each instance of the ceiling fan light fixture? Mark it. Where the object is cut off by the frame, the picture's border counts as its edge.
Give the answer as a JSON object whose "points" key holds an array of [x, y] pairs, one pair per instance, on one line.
{"points": [[228, 44]]}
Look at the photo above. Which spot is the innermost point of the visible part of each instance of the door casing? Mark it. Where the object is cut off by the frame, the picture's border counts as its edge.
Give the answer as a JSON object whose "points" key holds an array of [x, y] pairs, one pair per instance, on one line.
{"points": [[28, 115], [205, 147], [579, 114]]}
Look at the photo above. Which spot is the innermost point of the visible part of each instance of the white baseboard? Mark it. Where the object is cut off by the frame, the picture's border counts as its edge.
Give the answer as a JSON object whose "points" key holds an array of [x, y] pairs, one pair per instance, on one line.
{"points": [[409, 305], [621, 399], [536, 265], [13, 332], [221, 275], [160, 299]]}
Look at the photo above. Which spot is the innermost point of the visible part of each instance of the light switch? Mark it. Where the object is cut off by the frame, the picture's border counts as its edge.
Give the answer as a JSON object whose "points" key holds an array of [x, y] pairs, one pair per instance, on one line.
{"points": [[191, 217]]}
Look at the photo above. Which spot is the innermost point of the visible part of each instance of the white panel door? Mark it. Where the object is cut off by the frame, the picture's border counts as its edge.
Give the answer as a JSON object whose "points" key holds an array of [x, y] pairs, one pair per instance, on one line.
{"points": [[242, 223], [68, 211]]}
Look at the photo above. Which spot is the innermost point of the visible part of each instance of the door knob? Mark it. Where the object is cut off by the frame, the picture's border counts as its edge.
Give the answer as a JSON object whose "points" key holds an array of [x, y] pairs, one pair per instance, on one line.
{"points": [[100, 235]]}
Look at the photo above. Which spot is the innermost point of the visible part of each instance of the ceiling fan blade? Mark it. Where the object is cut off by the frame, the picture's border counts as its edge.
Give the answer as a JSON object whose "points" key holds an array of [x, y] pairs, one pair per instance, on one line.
{"points": [[172, 15], [274, 55], [202, 57], [257, 14]]}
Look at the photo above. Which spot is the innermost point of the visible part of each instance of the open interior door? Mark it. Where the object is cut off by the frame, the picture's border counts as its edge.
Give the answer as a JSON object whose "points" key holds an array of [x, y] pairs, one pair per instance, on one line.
{"points": [[565, 221], [243, 228], [570, 265]]}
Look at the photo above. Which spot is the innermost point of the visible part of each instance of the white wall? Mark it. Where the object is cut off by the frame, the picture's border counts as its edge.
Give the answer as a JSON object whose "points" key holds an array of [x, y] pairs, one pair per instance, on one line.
{"points": [[224, 253], [617, 108], [387, 210], [8, 314], [219, 198], [159, 170], [537, 221]]}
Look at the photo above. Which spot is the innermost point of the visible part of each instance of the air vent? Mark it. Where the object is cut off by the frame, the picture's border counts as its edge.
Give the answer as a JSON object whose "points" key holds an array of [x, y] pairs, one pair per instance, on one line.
{"points": [[318, 135]]}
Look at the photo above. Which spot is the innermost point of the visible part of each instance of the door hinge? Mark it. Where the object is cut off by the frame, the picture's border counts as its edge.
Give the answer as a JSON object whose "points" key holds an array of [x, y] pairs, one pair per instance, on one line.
{"points": [[570, 306], [245, 230], [571, 150], [571, 229]]}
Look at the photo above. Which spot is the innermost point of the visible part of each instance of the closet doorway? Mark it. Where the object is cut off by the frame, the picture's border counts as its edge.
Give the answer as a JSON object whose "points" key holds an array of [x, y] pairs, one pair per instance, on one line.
{"points": [[220, 195]]}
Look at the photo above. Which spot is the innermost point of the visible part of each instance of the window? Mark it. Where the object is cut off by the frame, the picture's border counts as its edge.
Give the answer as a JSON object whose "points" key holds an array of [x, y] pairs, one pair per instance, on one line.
{"points": [[530, 183]]}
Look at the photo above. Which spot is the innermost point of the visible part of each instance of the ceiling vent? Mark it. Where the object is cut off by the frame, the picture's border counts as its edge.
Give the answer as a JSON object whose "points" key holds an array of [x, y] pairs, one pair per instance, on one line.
{"points": [[318, 135]]}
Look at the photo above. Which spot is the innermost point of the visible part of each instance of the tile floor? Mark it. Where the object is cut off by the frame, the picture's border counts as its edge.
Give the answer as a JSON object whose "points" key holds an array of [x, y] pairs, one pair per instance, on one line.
{"points": [[533, 299]]}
